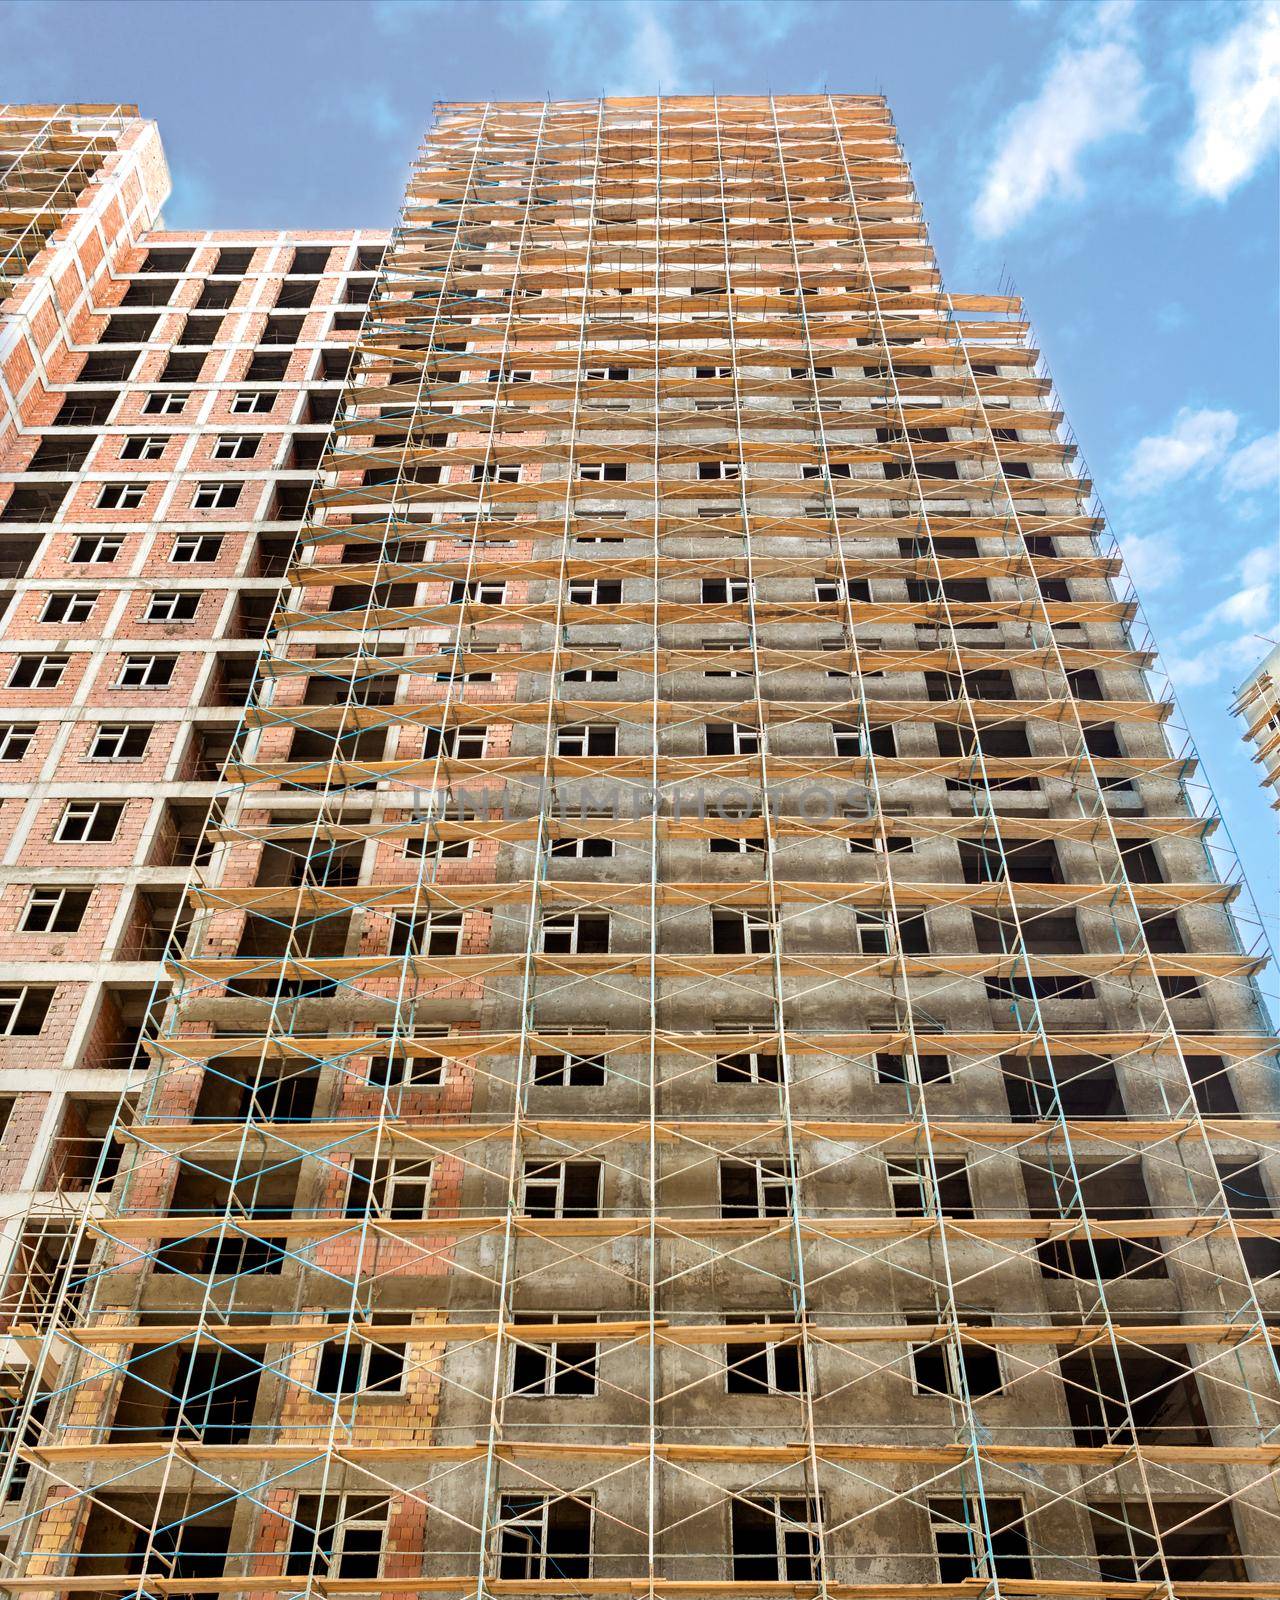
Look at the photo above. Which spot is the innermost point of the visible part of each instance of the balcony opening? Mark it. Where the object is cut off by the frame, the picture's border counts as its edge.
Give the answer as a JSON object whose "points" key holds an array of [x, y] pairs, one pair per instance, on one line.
{"points": [[206, 1395], [84, 1158], [1071, 1086], [1114, 1192], [185, 1537], [252, 1198], [1195, 1541], [243, 1092], [1164, 1405]]}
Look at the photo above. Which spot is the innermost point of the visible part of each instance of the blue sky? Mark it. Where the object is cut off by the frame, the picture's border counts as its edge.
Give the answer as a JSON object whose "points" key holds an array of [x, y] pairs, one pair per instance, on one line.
{"points": [[1118, 159]]}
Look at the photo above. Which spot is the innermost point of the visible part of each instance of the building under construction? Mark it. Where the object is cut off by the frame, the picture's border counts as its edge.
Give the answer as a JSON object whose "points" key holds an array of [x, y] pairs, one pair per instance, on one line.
{"points": [[511, 1193]]}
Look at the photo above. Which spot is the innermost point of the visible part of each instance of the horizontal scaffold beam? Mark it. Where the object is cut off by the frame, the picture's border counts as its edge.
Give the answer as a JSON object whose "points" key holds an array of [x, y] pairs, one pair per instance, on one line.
{"points": [[1103, 1456], [539, 712], [1113, 965], [321, 899], [812, 1226], [356, 1132], [663, 1330], [295, 1044], [571, 824]]}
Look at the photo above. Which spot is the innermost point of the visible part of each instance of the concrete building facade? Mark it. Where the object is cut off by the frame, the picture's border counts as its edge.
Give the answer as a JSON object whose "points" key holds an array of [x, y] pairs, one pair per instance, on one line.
{"points": [[1257, 704], [702, 1047]]}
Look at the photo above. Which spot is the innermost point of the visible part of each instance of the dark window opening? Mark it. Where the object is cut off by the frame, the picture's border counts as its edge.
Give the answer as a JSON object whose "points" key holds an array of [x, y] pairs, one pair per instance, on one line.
{"points": [[961, 1545], [1073, 1086], [775, 1540]]}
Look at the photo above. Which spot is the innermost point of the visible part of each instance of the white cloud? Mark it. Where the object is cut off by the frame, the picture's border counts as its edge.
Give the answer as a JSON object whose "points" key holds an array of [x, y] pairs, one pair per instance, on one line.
{"points": [[1248, 607], [402, 16], [1255, 465], [373, 108], [1153, 559], [1251, 605], [1093, 91], [643, 46], [1236, 87], [650, 60], [1197, 441], [1224, 658]]}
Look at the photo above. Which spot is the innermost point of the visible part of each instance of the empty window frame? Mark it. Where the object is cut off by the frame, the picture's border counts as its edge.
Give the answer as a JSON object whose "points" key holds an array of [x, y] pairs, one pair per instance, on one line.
{"points": [[164, 403], [740, 933], [757, 1188], [874, 933], [465, 744], [959, 1527], [37, 672], [252, 403], [68, 607], [23, 1008], [749, 1066], [99, 547], [727, 845], [878, 843], [565, 1070], [919, 1187], [594, 592], [192, 548], [438, 849], [587, 739], [477, 591], [945, 1367], [120, 496], [397, 1067], [236, 446], [582, 849], [119, 741], [770, 1366], [725, 591], [417, 933], [731, 739], [361, 1365], [715, 646], [54, 909], [576, 933], [561, 1188], [397, 1188], [144, 446], [775, 1539], [15, 740], [555, 1368], [88, 822], [146, 672], [339, 1536], [832, 591], [216, 496], [172, 605], [543, 1537], [915, 1067]]}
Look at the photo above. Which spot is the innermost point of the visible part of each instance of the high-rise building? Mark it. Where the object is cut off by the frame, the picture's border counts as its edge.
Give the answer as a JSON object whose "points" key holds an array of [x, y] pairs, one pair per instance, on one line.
{"points": [[1257, 704], [704, 1047]]}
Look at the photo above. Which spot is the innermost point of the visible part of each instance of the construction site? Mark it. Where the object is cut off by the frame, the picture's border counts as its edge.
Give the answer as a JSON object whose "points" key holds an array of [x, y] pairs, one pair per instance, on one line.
{"points": [[429, 1171]]}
